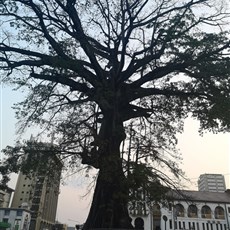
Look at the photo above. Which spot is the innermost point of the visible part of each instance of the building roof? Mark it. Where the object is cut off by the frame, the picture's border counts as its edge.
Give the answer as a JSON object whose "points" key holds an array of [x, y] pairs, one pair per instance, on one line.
{"points": [[201, 196]]}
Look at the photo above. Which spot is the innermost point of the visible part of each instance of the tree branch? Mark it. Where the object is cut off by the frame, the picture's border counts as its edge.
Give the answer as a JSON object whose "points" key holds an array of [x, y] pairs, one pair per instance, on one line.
{"points": [[62, 79]]}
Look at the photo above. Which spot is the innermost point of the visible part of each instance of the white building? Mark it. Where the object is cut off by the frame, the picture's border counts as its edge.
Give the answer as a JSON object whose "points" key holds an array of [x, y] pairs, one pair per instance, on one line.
{"points": [[190, 210], [211, 183], [14, 219]]}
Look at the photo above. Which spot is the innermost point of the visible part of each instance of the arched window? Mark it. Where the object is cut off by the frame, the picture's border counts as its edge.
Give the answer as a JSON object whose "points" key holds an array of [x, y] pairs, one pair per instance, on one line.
{"points": [[192, 211], [219, 213], [139, 223], [156, 211], [206, 212], [179, 210]]}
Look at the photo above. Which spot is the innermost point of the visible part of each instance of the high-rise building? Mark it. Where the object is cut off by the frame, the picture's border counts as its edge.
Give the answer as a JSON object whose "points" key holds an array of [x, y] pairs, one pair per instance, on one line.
{"points": [[39, 193], [211, 183]]}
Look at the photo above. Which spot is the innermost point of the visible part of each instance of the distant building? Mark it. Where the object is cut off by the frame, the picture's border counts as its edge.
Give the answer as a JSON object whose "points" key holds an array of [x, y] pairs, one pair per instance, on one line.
{"points": [[14, 218], [211, 183], [5, 197], [39, 194]]}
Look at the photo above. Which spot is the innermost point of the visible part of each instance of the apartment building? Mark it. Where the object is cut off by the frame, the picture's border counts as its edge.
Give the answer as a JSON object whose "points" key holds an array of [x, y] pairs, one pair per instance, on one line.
{"points": [[39, 194], [211, 183]]}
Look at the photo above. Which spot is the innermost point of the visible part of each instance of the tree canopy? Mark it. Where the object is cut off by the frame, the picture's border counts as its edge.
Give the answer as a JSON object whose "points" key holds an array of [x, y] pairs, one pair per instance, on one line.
{"points": [[114, 80]]}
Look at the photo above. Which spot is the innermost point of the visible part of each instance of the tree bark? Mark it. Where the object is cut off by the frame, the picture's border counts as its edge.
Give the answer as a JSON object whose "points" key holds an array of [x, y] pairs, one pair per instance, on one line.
{"points": [[109, 208]]}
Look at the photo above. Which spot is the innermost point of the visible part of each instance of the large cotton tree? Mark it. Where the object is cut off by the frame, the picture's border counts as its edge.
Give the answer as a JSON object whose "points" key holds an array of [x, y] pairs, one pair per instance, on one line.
{"points": [[92, 67]]}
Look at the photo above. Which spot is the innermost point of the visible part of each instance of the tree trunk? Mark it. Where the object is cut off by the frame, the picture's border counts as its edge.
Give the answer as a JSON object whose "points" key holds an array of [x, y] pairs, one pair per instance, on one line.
{"points": [[109, 207]]}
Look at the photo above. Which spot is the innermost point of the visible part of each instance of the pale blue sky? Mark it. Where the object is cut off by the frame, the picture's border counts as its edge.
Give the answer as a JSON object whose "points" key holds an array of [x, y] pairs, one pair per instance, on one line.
{"points": [[207, 154]]}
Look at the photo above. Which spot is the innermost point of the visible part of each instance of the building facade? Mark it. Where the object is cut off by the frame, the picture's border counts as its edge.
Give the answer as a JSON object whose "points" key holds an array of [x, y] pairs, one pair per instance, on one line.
{"points": [[5, 197], [189, 210], [14, 219], [39, 194], [211, 183]]}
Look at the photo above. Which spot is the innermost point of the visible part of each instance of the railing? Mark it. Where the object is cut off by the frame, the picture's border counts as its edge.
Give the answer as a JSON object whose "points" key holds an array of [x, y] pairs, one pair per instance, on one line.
{"points": [[206, 216], [220, 216], [192, 215]]}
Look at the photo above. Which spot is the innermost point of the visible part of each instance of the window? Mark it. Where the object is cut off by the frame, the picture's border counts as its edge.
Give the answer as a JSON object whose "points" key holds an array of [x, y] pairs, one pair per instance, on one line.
{"points": [[179, 208], [36, 200], [140, 207], [192, 211], [219, 213], [19, 212], [206, 212], [170, 224], [7, 212], [228, 209], [5, 220], [156, 211], [139, 223], [170, 207], [212, 183]]}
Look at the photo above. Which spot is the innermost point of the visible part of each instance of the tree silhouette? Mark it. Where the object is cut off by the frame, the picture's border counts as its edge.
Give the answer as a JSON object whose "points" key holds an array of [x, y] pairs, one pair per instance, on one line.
{"points": [[102, 73]]}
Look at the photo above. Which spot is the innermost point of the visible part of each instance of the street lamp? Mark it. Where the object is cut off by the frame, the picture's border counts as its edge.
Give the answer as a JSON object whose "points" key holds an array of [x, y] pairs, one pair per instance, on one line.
{"points": [[165, 218]]}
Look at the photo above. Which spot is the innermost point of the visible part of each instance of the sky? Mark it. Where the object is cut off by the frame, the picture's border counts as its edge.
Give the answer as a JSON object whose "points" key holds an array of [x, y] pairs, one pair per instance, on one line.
{"points": [[207, 154]]}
